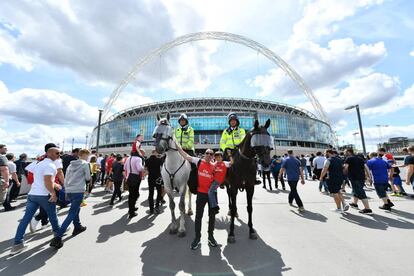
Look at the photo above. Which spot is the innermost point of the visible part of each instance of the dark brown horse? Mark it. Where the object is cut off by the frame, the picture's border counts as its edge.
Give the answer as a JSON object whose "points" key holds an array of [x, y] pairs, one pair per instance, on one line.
{"points": [[242, 174]]}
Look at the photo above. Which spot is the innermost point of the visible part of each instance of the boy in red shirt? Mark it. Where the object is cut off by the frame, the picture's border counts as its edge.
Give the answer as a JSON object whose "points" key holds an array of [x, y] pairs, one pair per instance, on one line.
{"points": [[220, 171]]}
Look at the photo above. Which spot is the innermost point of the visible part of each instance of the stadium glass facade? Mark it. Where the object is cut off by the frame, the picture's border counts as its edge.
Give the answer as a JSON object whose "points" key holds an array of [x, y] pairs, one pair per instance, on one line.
{"points": [[290, 126]]}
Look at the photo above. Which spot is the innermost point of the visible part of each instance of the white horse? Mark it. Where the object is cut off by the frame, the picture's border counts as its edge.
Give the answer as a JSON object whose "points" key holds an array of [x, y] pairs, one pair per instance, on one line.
{"points": [[175, 172]]}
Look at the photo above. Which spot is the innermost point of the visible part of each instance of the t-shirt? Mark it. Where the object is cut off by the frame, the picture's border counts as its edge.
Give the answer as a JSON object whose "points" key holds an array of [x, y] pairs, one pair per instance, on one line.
{"points": [[109, 162], [356, 168], [303, 162], [220, 171], [319, 162], [66, 162], [3, 162], [205, 174], [39, 170], [153, 164], [379, 169], [335, 168], [12, 168], [117, 171], [276, 165], [292, 167], [308, 162], [410, 160]]}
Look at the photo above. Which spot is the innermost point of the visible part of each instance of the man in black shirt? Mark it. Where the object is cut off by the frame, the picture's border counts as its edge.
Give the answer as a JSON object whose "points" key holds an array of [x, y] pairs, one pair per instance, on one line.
{"points": [[118, 178], [66, 159], [356, 169], [153, 166]]}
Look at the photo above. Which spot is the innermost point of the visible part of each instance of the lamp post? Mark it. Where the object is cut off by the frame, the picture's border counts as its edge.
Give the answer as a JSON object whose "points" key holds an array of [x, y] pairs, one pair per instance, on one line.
{"points": [[86, 141], [355, 141], [380, 134], [73, 141], [360, 127], [99, 130]]}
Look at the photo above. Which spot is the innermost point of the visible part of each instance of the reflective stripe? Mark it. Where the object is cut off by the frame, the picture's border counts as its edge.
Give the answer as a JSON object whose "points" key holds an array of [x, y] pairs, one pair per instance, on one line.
{"points": [[185, 138]]}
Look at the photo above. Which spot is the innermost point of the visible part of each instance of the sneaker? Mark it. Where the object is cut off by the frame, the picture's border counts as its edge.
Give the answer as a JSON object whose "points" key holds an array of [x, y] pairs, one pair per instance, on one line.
{"points": [[385, 207], [56, 243], [83, 204], [394, 194], [78, 230], [111, 203], [150, 211], [17, 248], [353, 205], [390, 204], [195, 244], [212, 241], [346, 207], [403, 193], [157, 210], [292, 205], [131, 215], [337, 210], [33, 225], [11, 208], [301, 209], [365, 211], [215, 210]]}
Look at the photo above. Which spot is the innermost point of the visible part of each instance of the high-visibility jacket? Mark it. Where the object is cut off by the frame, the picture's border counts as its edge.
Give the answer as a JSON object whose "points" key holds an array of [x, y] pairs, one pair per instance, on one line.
{"points": [[230, 139], [185, 137]]}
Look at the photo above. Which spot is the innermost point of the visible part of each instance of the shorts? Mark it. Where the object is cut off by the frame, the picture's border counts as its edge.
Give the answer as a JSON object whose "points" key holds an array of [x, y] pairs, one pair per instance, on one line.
{"points": [[358, 189], [381, 189], [397, 181], [334, 186]]}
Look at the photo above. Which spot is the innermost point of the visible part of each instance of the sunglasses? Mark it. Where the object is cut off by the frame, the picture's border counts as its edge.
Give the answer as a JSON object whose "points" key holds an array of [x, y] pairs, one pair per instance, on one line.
{"points": [[209, 153]]}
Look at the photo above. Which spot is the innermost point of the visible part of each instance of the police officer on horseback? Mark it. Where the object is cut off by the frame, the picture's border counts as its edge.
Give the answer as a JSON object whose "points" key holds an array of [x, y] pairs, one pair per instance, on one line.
{"points": [[184, 135], [231, 136]]}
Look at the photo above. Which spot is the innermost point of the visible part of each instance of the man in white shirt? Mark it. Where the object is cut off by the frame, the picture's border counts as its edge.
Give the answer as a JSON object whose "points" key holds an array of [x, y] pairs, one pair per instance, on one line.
{"points": [[42, 194], [13, 180], [318, 164]]}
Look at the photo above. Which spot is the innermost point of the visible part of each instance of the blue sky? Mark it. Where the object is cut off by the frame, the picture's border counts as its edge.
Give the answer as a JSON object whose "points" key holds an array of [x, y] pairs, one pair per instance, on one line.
{"points": [[60, 61]]}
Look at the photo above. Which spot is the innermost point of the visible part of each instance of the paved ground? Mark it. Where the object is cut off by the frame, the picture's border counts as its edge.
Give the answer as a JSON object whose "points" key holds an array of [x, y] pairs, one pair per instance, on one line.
{"points": [[319, 242]]}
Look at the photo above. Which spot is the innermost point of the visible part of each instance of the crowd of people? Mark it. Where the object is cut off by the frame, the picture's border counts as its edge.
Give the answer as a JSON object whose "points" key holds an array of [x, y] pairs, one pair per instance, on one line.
{"points": [[67, 180]]}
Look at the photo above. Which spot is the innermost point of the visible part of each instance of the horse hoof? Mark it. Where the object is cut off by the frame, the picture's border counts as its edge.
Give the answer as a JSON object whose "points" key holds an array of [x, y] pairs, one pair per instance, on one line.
{"points": [[173, 231], [181, 234], [231, 239], [253, 236], [190, 212]]}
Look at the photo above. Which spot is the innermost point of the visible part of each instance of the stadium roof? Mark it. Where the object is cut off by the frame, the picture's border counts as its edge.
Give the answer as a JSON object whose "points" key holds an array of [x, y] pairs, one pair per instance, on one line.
{"points": [[208, 105]]}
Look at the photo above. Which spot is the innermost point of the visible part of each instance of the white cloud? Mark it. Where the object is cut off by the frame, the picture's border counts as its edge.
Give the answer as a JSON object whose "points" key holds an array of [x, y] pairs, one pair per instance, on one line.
{"points": [[374, 94], [129, 99], [46, 107], [320, 67], [412, 53], [375, 135], [321, 17], [98, 40], [9, 54], [33, 139]]}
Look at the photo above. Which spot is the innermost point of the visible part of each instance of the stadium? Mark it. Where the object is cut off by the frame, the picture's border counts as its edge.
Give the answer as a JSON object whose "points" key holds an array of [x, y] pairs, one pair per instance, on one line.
{"points": [[291, 127]]}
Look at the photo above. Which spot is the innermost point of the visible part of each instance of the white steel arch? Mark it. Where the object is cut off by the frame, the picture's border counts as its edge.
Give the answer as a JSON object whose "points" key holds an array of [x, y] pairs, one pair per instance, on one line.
{"points": [[277, 60]]}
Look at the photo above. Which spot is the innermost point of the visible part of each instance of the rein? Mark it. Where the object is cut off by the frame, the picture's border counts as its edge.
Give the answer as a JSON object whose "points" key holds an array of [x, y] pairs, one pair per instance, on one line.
{"points": [[172, 175]]}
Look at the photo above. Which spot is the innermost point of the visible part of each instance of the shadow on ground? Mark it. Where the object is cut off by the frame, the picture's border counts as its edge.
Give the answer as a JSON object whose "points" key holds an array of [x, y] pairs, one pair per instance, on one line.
{"points": [[252, 257]]}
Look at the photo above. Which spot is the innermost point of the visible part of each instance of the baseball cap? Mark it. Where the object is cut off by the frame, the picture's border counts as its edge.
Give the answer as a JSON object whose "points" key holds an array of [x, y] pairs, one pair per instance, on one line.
{"points": [[49, 145]]}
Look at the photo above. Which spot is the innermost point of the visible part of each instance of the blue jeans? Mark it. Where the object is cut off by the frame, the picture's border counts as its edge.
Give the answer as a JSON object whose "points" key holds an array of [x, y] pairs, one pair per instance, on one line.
{"points": [[324, 185], [75, 200], [33, 203], [212, 194]]}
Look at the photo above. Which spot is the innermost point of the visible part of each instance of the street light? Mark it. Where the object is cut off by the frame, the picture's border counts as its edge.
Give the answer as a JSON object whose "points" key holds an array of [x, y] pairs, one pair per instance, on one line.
{"points": [[380, 133], [99, 130], [355, 142], [360, 126]]}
